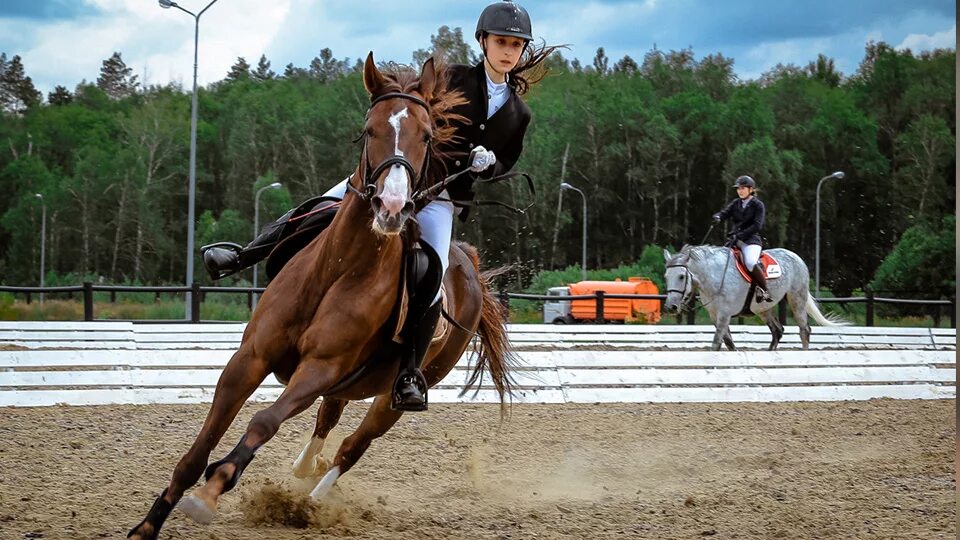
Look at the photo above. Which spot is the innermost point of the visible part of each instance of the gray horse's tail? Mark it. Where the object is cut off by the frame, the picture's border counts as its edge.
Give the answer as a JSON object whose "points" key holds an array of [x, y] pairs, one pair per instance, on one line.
{"points": [[823, 320]]}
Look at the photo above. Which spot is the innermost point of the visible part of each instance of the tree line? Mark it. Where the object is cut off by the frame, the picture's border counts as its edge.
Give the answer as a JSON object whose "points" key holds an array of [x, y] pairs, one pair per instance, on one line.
{"points": [[653, 143]]}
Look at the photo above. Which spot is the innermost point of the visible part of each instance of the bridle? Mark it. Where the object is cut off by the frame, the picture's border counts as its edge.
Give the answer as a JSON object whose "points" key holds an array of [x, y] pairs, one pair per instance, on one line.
{"points": [[370, 173], [688, 284], [424, 193]]}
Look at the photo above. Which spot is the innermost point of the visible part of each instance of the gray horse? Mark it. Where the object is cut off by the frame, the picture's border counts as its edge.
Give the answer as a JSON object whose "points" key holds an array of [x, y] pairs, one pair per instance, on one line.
{"points": [[711, 271]]}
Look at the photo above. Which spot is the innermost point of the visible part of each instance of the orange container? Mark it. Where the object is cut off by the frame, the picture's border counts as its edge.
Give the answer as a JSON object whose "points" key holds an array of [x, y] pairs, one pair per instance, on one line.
{"points": [[616, 309]]}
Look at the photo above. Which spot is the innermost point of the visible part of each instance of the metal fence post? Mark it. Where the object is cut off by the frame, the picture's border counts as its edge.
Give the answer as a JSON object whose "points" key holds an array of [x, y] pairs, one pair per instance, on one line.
{"points": [[953, 313], [599, 307], [869, 294], [87, 301], [195, 303], [28, 297]]}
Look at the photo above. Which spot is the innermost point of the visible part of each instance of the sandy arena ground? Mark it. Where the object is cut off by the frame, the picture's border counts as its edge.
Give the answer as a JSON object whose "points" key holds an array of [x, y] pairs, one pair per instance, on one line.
{"points": [[851, 470]]}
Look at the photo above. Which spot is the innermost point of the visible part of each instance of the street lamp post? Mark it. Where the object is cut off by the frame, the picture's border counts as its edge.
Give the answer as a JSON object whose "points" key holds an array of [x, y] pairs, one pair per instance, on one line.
{"points": [[166, 4], [43, 240], [583, 264], [839, 176], [256, 228]]}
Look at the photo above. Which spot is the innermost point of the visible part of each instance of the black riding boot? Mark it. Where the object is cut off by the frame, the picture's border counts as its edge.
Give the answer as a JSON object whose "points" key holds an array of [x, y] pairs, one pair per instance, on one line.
{"points": [[761, 280], [424, 276], [226, 258], [410, 387], [307, 220]]}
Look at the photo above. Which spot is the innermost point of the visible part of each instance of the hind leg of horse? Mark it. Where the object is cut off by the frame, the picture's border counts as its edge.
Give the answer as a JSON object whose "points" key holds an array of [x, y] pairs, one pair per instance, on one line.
{"points": [[378, 420], [242, 375], [728, 340], [305, 386], [798, 305], [776, 329], [310, 462]]}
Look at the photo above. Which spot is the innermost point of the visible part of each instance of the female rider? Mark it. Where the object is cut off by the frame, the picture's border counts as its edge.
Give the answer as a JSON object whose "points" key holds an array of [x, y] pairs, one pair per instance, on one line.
{"points": [[747, 213], [488, 142]]}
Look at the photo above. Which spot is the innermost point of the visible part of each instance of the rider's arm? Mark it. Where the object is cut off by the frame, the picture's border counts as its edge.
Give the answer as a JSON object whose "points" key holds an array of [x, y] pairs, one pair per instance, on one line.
{"points": [[508, 155], [725, 213]]}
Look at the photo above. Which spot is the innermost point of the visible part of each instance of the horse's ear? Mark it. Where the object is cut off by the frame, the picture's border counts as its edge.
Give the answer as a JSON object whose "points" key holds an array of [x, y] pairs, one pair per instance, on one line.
{"points": [[373, 80], [666, 255], [428, 80]]}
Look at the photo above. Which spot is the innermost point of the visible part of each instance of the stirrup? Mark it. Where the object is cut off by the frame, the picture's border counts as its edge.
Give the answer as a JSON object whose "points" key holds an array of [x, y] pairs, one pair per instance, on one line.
{"points": [[763, 295], [419, 382]]}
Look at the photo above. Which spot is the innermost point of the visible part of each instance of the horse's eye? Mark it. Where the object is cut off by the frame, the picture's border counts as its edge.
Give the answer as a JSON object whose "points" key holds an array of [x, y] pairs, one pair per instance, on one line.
{"points": [[427, 138]]}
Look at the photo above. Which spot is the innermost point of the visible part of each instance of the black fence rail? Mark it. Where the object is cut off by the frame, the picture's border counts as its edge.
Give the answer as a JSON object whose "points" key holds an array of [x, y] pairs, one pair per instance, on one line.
{"points": [[198, 294], [869, 299]]}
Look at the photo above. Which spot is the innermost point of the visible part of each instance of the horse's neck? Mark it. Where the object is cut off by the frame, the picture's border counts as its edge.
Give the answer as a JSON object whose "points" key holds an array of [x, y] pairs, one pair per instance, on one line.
{"points": [[352, 240], [709, 269]]}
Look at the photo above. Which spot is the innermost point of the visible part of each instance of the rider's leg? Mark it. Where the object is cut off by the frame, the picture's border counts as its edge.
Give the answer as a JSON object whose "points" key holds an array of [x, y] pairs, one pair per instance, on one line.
{"points": [[436, 228], [223, 259], [751, 258]]}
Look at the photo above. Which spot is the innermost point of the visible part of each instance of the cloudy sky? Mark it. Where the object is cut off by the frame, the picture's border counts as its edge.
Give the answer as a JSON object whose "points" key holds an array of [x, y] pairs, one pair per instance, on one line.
{"points": [[65, 41]]}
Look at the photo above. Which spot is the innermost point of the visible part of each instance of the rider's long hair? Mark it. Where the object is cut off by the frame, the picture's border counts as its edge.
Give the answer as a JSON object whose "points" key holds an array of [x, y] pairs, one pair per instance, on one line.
{"points": [[530, 69]]}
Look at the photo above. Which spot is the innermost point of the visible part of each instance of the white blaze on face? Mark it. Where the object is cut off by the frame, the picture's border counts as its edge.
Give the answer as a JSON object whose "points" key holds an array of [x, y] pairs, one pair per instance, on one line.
{"points": [[395, 185]]}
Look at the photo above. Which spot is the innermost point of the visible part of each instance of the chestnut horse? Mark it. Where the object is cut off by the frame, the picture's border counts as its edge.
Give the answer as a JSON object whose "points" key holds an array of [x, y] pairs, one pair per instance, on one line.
{"points": [[332, 311]]}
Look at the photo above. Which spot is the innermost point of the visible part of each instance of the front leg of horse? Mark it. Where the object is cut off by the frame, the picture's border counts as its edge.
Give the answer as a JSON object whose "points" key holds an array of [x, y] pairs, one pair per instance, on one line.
{"points": [[309, 380], [722, 333], [310, 462], [378, 420], [240, 378]]}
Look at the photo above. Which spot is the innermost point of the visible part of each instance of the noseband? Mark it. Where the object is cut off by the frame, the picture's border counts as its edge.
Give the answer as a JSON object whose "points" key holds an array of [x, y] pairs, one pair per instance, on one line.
{"points": [[372, 173]]}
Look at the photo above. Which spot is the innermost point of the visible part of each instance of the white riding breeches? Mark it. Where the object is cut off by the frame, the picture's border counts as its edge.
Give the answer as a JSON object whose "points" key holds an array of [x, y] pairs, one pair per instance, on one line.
{"points": [[338, 190], [751, 254], [436, 224]]}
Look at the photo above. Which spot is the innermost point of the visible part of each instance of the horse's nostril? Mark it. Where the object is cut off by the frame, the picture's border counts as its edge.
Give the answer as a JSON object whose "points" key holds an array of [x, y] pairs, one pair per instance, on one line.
{"points": [[376, 203]]}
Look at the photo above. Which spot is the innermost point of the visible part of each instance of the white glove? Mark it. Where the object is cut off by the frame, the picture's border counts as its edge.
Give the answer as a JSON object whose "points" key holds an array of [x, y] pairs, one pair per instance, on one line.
{"points": [[481, 159]]}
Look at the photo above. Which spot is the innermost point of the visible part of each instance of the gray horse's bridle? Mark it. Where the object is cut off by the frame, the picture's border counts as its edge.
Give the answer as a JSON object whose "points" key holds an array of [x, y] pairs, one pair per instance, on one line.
{"points": [[688, 284]]}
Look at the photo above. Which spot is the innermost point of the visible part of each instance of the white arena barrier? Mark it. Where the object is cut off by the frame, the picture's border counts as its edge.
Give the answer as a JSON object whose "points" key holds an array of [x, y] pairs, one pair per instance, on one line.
{"points": [[74, 363]]}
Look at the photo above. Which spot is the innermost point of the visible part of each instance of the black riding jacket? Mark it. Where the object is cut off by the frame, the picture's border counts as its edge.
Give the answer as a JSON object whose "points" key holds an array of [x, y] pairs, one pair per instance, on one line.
{"points": [[502, 133], [747, 220]]}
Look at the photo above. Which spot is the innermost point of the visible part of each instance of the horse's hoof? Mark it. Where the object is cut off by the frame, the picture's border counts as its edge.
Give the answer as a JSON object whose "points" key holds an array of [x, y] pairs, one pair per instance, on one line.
{"points": [[196, 509], [326, 483], [319, 467], [310, 461]]}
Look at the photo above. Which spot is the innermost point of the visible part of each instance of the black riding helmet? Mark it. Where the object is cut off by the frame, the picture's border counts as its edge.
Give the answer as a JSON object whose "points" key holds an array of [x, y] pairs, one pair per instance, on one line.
{"points": [[504, 18], [745, 181]]}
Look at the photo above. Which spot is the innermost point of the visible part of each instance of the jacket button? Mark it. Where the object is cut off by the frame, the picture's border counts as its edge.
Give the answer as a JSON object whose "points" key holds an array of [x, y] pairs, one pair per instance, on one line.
{"points": [[482, 127], [457, 163], [470, 145]]}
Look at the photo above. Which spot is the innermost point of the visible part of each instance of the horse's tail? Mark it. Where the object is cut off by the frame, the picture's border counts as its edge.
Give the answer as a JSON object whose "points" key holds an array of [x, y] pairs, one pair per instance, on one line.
{"points": [[823, 320], [493, 350]]}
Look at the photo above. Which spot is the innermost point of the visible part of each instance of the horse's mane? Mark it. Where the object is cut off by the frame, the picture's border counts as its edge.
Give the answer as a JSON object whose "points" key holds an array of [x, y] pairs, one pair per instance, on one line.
{"points": [[403, 78], [697, 253]]}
